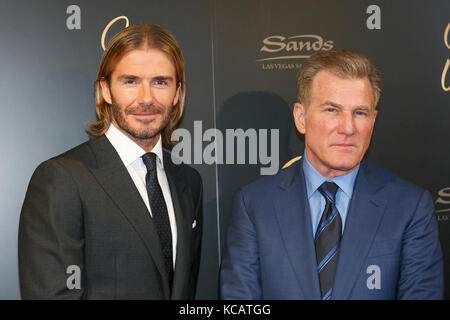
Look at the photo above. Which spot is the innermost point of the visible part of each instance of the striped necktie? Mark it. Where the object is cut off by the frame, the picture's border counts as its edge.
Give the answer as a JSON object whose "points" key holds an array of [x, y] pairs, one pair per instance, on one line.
{"points": [[159, 212], [327, 240]]}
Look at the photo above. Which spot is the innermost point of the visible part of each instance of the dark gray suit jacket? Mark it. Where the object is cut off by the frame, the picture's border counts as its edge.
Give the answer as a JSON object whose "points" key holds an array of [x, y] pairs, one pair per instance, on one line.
{"points": [[82, 208]]}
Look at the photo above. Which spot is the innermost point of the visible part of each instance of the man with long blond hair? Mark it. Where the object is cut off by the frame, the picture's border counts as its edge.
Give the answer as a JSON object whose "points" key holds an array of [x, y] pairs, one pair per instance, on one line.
{"points": [[114, 218]]}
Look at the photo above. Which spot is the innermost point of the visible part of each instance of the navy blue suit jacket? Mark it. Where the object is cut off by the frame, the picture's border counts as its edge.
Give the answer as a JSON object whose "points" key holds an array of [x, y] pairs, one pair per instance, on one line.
{"points": [[389, 249]]}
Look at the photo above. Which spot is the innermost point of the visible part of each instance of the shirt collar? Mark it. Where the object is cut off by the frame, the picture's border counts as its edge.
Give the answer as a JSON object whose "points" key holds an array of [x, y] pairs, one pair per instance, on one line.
{"points": [[127, 149], [314, 179]]}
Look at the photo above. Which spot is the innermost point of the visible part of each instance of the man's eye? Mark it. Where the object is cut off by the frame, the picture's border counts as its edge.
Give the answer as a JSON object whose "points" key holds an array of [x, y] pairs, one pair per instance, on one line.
{"points": [[130, 81], [361, 113], [160, 82], [331, 110]]}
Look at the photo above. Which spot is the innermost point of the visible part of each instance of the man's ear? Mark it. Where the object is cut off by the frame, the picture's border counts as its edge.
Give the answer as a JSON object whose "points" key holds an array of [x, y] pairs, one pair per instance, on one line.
{"points": [[300, 117], [106, 93]]}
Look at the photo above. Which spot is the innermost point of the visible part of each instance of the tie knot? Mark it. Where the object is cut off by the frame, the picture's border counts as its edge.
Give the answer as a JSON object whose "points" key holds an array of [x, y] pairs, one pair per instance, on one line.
{"points": [[149, 161], [328, 190]]}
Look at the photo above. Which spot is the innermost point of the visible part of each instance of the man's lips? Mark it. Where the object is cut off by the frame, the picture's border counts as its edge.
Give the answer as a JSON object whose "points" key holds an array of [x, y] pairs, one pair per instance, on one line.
{"points": [[144, 114], [344, 145]]}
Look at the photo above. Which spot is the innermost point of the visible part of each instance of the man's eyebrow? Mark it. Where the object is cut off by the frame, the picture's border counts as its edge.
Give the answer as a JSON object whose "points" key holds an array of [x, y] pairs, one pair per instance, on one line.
{"points": [[332, 104], [132, 77], [167, 78], [127, 77], [337, 105]]}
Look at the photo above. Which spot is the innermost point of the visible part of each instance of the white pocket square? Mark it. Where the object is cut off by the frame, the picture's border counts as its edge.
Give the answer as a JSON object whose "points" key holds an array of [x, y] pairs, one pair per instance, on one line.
{"points": [[194, 224]]}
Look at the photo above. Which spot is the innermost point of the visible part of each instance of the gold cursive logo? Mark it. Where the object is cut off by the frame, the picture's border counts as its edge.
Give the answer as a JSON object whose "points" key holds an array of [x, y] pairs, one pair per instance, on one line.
{"points": [[446, 35], [447, 64], [443, 199], [294, 47], [127, 23]]}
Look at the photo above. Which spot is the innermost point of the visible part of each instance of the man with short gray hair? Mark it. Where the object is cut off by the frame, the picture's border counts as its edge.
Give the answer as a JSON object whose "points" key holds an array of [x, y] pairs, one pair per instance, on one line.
{"points": [[332, 225]]}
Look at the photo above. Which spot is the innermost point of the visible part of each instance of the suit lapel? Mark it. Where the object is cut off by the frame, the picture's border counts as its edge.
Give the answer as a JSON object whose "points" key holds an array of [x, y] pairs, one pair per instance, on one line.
{"points": [[292, 210], [180, 206], [117, 183], [364, 216]]}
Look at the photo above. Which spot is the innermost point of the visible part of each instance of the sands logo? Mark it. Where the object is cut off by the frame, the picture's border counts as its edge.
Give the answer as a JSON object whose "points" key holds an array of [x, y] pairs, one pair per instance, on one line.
{"points": [[288, 51], [443, 204]]}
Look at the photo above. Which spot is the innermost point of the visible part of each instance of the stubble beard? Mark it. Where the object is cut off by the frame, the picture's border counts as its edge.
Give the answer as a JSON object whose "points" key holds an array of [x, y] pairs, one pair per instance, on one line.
{"points": [[145, 133]]}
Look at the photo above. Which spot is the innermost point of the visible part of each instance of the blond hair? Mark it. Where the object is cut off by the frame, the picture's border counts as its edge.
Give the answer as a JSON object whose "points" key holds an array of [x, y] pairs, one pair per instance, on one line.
{"points": [[342, 63], [134, 37]]}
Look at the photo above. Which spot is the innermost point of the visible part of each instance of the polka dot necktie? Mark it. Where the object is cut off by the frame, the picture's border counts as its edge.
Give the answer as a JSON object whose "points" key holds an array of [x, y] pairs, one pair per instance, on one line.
{"points": [[327, 240], [159, 212]]}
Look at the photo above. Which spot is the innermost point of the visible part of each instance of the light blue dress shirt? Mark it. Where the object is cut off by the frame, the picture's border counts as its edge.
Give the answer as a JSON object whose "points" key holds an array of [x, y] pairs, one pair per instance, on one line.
{"points": [[314, 179]]}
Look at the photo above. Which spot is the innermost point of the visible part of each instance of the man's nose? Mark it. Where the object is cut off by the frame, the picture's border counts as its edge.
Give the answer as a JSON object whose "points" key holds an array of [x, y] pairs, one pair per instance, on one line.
{"points": [[346, 124], [145, 95]]}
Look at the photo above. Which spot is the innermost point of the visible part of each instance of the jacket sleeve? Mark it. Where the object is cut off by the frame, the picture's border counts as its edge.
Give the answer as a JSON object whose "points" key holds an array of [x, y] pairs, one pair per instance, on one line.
{"points": [[51, 241], [240, 269], [421, 270]]}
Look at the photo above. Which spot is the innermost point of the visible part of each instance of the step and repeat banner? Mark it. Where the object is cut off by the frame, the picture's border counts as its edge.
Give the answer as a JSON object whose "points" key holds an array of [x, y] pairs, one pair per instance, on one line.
{"points": [[241, 62]]}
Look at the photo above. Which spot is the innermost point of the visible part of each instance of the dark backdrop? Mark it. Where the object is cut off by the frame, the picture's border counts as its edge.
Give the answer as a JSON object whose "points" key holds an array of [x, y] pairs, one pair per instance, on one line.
{"points": [[48, 69]]}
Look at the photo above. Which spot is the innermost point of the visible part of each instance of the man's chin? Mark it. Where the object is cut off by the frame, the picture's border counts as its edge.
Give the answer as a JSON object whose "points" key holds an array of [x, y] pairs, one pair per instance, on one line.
{"points": [[145, 134], [141, 132], [145, 127], [344, 167]]}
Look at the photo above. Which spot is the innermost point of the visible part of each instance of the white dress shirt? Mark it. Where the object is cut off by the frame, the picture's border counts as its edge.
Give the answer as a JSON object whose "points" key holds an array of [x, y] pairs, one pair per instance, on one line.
{"points": [[130, 154]]}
